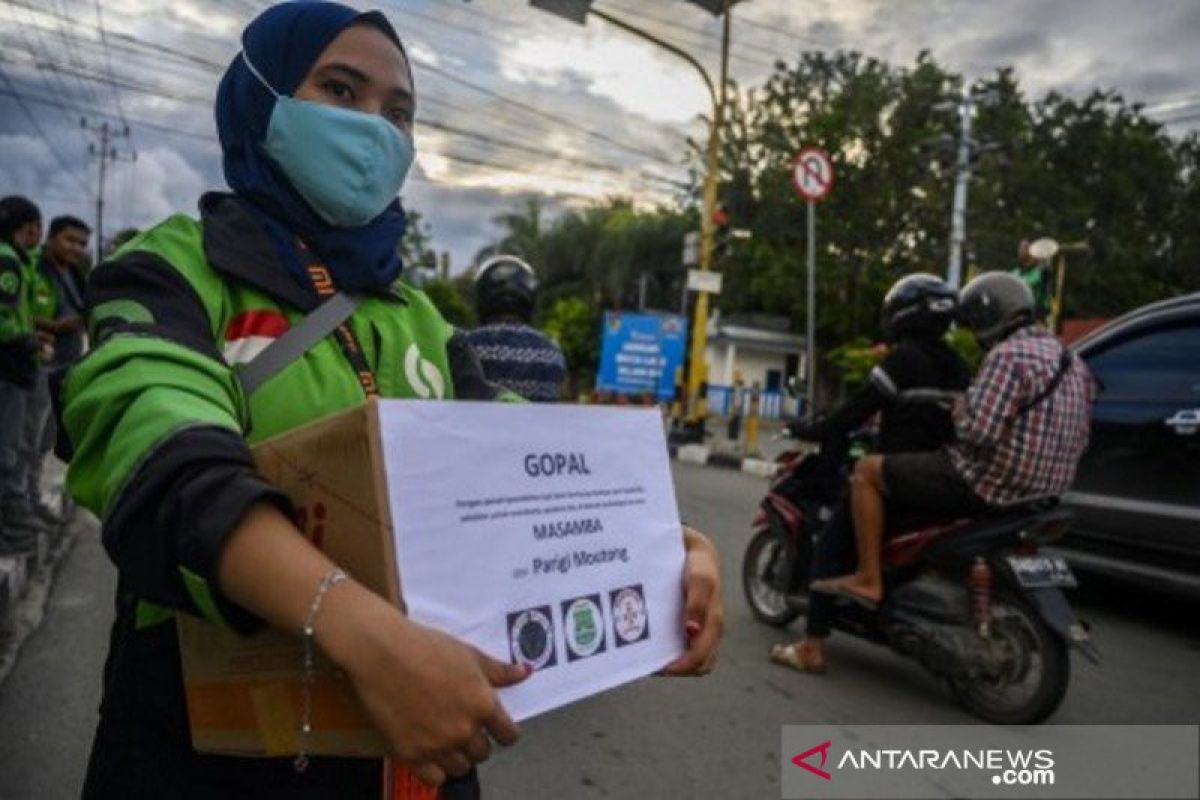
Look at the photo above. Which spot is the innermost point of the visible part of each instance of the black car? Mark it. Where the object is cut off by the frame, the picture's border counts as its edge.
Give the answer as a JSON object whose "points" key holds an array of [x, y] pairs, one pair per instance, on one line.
{"points": [[1137, 494]]}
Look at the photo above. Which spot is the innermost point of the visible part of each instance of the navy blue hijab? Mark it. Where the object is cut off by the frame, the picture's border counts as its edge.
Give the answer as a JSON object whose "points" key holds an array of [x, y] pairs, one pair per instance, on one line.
{"points": [[283, 43]]}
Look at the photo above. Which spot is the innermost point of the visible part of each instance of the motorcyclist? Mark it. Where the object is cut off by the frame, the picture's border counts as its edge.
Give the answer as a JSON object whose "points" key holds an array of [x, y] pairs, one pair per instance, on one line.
{"points": [[513, 353], [1020, 432], [916, 313]]}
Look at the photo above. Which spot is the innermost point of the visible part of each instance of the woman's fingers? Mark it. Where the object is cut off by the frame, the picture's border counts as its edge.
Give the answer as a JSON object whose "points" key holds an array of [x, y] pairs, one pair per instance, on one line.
{"points": [[455, 764], [428, 773], [704, 612], [479, 748]]}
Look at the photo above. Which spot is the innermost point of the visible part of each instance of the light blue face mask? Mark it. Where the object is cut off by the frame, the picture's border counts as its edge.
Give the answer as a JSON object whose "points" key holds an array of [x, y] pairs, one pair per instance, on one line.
{"points": [[348, 165]]}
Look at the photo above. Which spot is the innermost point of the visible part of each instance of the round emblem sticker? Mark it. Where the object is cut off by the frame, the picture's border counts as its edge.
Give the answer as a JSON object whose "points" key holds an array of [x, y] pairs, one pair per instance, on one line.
{"points": [[582, 627], [531, 636], [629, 615]]}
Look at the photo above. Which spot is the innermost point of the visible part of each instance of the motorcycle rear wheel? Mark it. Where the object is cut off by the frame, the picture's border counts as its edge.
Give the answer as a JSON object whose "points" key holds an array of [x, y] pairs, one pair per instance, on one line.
{"points": [[1037, 660], [766, 602]]}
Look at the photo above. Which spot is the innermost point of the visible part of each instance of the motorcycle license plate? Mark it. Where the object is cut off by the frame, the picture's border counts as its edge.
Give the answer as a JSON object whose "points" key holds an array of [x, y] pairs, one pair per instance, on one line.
{"points": [[1036, 572]]}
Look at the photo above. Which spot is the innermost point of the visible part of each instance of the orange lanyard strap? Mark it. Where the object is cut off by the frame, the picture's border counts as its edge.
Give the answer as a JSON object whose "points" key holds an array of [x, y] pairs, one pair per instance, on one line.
{"points": [[323, 285]]}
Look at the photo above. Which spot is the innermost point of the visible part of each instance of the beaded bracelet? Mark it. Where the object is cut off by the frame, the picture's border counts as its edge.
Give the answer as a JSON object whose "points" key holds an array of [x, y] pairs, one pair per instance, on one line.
{"points": [[331, 579]]}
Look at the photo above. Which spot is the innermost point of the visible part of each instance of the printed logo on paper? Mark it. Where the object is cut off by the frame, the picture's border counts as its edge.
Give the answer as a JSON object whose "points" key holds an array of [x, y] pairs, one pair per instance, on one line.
{"points": [[531, 637], [631, 623], [583, 627]]}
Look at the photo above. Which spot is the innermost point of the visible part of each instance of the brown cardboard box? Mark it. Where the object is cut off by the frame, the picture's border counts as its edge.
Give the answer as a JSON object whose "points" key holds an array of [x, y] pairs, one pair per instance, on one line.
{"points": [[245, 694]]}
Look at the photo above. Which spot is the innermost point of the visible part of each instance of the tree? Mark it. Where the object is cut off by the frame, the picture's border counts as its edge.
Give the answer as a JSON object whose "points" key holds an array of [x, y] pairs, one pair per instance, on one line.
{"points": [[575, 326], [416, 246], [448, 297]]}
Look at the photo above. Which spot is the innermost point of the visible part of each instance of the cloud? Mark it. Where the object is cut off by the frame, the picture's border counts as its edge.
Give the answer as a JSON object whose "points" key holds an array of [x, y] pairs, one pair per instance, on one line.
{"points": [[635, 76]]}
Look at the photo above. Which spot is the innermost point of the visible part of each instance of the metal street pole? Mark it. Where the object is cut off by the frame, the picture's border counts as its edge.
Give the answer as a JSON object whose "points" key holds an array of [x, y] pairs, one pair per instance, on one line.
{"points": [[698, 367], [958, 216], [811, 338]]}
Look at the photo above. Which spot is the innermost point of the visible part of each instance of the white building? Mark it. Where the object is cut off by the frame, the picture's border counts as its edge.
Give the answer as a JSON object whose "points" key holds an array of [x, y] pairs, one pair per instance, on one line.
{"points": [[758, 349]]}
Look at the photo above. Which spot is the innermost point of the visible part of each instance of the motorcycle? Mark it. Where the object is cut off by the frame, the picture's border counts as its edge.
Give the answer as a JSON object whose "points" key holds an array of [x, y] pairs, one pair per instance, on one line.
{"points": [[972, 600]]}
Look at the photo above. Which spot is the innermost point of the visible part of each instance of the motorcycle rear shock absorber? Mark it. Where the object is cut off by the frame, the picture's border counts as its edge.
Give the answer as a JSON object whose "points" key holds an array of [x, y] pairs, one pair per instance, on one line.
{"points": [[979, 586]]}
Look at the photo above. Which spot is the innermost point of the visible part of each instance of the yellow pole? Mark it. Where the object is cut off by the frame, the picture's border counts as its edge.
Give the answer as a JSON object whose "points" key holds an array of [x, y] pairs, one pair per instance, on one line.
{"points": [[1056, 316], [752, 423], [698, 372]]}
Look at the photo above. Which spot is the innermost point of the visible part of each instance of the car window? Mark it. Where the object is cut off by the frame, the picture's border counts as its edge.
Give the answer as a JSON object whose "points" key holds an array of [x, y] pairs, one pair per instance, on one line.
{"points": [[1161, 363]]}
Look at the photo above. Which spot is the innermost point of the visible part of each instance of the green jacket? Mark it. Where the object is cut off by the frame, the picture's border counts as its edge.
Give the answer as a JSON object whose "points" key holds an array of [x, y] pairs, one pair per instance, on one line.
{"points": [[159, 422], [18, 342], [16, 310], [43, 294]]}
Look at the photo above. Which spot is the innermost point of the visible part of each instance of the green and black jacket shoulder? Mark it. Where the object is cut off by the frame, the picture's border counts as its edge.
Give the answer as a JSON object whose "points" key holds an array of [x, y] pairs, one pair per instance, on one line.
{"points": [[159, 423], [18, 342]]}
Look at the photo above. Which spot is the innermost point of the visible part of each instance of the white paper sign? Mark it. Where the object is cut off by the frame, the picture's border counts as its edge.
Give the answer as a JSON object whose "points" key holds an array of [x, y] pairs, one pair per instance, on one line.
{"points": [[543, 534]]}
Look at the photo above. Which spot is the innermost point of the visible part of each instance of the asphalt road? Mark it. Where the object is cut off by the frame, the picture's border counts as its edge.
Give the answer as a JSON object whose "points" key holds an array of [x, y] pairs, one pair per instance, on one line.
{"points": [[711, 737]]}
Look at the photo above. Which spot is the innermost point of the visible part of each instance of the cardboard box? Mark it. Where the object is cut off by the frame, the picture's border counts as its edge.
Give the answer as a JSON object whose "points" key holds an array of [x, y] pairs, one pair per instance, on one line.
{"points": [[245, 694]]}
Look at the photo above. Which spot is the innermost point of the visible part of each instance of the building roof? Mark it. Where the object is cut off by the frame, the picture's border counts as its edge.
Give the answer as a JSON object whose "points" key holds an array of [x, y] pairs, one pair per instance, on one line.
{"points": [[754, 337]]}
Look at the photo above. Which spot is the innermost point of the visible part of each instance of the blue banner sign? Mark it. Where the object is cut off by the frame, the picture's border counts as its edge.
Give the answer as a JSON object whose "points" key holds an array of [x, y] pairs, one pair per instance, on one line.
{"points": [[641, 352]]}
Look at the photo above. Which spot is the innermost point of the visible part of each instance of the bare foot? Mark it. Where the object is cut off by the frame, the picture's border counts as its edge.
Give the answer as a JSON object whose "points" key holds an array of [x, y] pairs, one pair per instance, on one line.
{"points": [[853, 587]]}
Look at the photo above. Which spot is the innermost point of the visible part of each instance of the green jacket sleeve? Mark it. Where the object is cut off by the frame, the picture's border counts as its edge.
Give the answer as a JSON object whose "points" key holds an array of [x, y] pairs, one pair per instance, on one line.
{"points": [[14, 318], [156, 421], [18, 344]]}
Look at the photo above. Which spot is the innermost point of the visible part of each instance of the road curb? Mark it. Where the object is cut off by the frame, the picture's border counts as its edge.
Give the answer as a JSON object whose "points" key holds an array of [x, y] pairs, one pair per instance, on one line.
{"points": [[25, 584], [705, 456]]}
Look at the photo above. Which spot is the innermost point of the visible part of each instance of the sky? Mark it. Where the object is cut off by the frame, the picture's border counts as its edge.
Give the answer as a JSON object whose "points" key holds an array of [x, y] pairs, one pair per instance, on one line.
{"points": [[514, 102]]}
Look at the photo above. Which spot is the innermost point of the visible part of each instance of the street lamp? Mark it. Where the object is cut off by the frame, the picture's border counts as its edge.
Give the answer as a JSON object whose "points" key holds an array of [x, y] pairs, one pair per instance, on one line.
{"points": [[578, 11]]}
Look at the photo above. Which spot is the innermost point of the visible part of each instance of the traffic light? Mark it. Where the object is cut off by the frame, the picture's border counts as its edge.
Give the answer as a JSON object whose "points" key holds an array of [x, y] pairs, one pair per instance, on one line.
{"points": [[714, 7], [574, 10]]}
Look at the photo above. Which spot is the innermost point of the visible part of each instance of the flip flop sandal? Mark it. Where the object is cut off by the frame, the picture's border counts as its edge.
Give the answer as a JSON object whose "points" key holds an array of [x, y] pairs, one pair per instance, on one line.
{"points": [[789, 656], [841, 591]]}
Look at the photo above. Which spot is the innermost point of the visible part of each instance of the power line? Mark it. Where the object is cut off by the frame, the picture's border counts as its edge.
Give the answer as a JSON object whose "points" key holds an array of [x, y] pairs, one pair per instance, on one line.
{"points": [[72, 48], [38, 128], [450, 76], [29, 46], [20, 96], [108, 64], [218, 68], [696, 36], [122, 83], [483, 162]]}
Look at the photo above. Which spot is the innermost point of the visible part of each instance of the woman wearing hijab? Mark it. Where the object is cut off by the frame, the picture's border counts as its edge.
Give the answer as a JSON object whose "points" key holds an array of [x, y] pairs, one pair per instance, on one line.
{"points": [[315, 122]]}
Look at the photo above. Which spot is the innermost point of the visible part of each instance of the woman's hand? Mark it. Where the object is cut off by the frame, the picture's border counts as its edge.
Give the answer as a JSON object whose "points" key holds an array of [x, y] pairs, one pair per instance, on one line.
{"points": [[431, 696], [704, 609]]}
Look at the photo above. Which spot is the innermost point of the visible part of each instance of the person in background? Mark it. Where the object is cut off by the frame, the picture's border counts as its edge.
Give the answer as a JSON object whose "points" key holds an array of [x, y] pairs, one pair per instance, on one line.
{"points": [[513, 353], [20, 346], [1038, 276], [1019, 432], [917, 312], [59, 309]]}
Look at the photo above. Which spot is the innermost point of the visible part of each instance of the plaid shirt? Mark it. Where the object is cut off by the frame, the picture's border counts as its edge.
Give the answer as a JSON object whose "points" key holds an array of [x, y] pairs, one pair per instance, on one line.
{"points": [[1005, 455]]}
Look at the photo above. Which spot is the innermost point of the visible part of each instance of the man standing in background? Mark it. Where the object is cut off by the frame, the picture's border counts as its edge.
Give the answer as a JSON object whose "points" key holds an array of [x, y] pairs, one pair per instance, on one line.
{"points": [[58, 306], [1037, 275], [20, 232]]}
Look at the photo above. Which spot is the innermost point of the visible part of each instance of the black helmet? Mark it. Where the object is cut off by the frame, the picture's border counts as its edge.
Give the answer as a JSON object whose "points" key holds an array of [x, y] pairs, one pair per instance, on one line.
{"points": [[505, 286], [994, 305], [918, 305], [15, 212]]}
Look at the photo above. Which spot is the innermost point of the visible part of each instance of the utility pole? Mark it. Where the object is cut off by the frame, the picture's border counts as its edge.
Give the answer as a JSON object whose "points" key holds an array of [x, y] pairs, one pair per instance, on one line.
{"points": [[962, 178], [106, 151]]}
